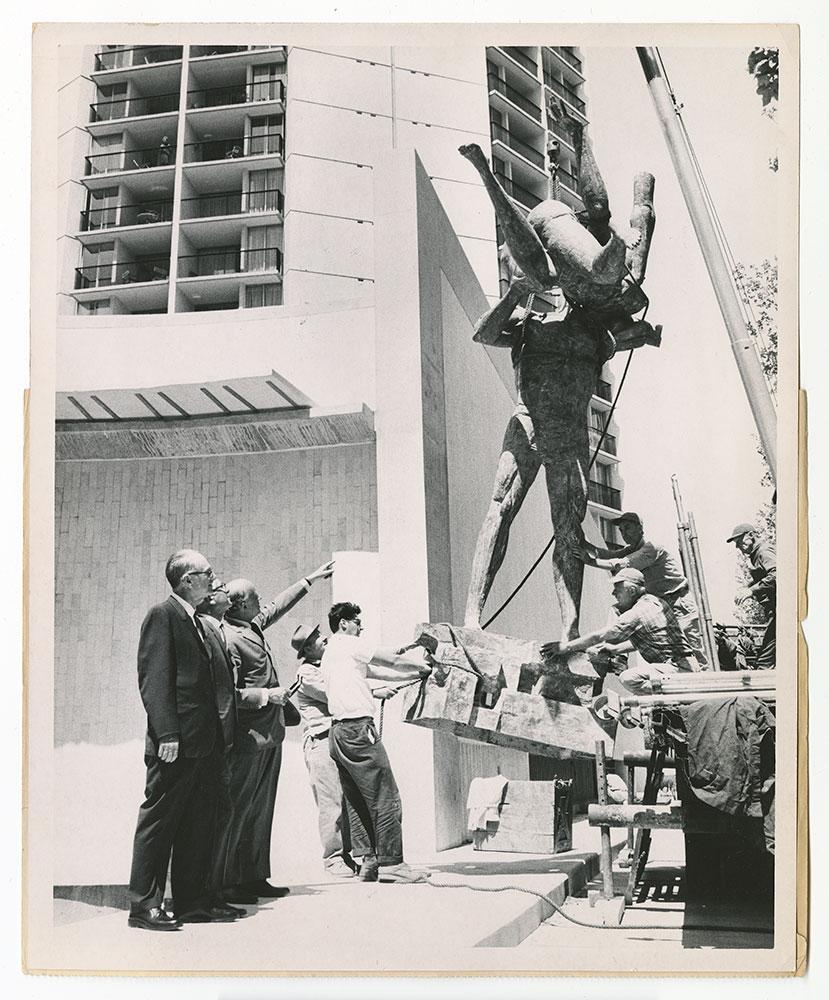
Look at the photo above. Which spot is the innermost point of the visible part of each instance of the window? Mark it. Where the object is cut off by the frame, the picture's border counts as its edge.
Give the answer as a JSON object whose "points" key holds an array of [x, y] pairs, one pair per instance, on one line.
{"points": [[112, 102], [265, 135], [107, 153], [95, 307], [263, 248], [263, 190], [218, 260], [262, 295], [97, 264], [265, 85], [102, 208]]}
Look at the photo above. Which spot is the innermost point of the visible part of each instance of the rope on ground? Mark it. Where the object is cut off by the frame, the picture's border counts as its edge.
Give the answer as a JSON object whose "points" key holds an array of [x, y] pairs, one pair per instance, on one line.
{"points": [[541, 895]]}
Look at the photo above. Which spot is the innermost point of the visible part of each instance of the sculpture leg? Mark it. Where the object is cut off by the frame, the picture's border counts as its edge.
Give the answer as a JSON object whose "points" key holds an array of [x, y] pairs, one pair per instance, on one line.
{"points": [[567, 492], [643, 219], [524, 244], [517, 469]]}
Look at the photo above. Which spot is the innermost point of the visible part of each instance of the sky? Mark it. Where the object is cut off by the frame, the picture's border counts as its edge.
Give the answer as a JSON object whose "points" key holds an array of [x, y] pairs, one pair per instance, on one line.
{"points": [[683, 410]]}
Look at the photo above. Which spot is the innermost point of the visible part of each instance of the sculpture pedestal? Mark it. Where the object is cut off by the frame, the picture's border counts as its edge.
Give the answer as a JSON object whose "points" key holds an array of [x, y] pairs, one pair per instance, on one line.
{"points": [[496, 689]]}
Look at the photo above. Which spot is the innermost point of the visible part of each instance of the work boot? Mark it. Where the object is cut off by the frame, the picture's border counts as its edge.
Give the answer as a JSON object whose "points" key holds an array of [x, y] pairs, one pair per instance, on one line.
{"points": [[368, 870], [403, 873]]}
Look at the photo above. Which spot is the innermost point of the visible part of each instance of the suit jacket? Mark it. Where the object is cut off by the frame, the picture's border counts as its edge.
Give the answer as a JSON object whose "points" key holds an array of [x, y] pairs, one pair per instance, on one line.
{"points": [[259, 728], [185, 683]]}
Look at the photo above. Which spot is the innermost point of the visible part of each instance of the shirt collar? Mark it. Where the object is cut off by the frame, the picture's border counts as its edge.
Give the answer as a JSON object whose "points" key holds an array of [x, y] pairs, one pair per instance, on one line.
{"points": [[187, 607]]}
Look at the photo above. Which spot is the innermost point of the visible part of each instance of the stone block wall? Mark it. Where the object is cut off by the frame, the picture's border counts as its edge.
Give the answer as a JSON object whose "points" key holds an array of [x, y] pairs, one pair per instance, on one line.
{"points": [[271, 517]]}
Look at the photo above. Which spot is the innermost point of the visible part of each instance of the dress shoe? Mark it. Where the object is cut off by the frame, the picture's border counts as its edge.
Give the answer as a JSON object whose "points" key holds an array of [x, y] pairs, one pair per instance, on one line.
{"points": [[217, 913], [155, 919], [339, 869], [264, 890], [236, 894], [403, 874]]}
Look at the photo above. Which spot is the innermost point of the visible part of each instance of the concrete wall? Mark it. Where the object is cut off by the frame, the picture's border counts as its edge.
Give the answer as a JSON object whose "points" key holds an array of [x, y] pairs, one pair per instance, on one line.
{"points": [[346, 109]]}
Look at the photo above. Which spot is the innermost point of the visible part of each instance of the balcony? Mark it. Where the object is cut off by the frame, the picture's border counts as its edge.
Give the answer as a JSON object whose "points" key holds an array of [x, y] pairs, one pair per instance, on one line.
{"points": [[114, 216], [272, 89], [521, 58], [565, 92], [518, 193], [130, 159], [511, 141], [497, 85], [608, 441], [223, 262], [133, 107], [220, 203], [605, 495], [567, 54], [203, 51], [604, 390], [568, 178], [122, 273], [235, 147], [141, 55]]}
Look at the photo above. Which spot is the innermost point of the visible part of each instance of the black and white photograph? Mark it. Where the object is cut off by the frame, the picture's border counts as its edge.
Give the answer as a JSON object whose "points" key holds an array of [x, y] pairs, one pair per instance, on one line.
{"points": [[416, 469]]}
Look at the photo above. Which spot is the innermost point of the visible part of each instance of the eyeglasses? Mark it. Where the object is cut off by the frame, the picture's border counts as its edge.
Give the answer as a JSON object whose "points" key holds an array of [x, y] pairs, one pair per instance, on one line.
{"points": [[201, 572]]}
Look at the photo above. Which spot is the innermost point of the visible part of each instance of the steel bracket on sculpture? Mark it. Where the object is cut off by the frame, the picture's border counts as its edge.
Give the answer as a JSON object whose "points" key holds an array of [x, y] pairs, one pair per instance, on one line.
{"points": [[497, 689]]}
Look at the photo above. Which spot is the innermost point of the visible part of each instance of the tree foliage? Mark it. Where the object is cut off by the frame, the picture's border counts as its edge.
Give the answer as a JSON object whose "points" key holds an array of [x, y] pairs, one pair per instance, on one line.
{"points": [[758, 287], [763, 65]]}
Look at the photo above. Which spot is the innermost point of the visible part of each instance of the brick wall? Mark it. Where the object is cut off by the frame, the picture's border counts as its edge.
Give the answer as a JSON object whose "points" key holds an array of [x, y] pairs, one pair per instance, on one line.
{"points": [[271, 517]]}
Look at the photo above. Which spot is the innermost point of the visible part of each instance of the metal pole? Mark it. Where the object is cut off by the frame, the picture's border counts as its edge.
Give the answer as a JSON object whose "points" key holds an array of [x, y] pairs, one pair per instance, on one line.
{"points": [[607, 853], [693, 571], [748, 364], [705, 606]]}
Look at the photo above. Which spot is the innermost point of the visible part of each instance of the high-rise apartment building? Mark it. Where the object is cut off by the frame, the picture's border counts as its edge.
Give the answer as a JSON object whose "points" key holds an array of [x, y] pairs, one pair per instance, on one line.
{"points": [[204, 178]]}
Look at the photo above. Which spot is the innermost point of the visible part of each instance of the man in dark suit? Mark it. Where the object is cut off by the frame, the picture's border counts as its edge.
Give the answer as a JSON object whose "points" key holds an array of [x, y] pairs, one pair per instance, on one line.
{"points": [[257, 749], [186, 686]]}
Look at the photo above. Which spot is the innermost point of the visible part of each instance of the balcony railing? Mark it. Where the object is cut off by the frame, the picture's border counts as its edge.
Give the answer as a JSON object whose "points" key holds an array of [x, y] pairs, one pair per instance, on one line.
{"points": [[513, 96], [272, 89], [130, 159], [233, 148], [520, 147], [605, 495], [229, 262], [126, 215], [567, 54], [231, 203], [133, 107], [521, 58], [608, 441], [197, 51], [565, 92], [140, 55], [604, 390], [527, 198], [569, 178], [122, 273]]}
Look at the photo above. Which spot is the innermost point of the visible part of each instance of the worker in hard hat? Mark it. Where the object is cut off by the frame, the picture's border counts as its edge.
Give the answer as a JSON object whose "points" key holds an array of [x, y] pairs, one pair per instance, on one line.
{"points": [[761, 562]]}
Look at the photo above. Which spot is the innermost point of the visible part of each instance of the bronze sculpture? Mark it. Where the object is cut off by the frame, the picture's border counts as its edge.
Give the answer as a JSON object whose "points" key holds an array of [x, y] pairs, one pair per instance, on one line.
{"points": [[557, 361]]}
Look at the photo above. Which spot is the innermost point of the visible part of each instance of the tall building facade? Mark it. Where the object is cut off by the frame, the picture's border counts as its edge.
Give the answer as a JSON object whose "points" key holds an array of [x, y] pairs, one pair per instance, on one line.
{"points": [[205, 178]]}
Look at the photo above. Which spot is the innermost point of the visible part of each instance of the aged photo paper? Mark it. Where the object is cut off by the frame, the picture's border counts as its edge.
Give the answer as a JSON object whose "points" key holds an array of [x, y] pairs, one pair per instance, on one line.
{"points": [[264, 250]]}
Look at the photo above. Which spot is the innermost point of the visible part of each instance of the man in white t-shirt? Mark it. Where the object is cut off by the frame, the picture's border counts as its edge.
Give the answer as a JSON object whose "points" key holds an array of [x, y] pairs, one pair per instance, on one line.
{"points": [[372, 798]]}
